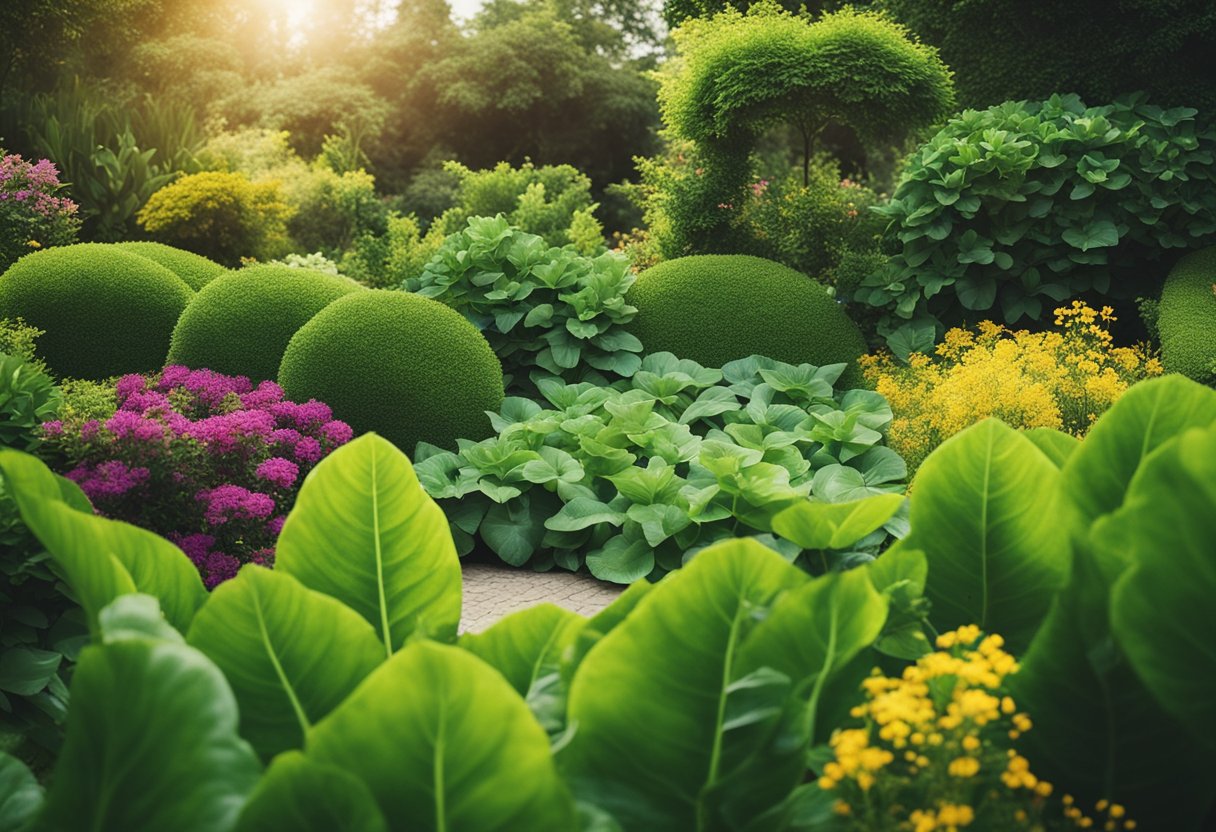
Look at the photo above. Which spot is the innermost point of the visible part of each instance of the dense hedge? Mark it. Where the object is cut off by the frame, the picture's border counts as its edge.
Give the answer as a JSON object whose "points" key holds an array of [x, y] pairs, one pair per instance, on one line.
{"points": [[105, 311], [240, 323], [194, 269], [1187, 317], [717, 308], [402, 365]]}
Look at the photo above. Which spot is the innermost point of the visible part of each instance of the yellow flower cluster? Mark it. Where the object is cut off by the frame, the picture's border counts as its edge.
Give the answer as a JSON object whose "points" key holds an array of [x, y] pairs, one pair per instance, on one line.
{"points": [[932, 753], [1062, 379]]}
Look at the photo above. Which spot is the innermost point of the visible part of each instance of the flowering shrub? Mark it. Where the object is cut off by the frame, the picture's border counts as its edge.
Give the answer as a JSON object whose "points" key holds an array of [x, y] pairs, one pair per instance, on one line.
{"points": [[1061, 379], [31, 216], [207, 460], [934, 752]]}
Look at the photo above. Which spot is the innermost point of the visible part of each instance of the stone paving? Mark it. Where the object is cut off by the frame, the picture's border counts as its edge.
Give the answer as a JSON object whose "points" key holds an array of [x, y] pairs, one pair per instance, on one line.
{"points": [[491, 592]]}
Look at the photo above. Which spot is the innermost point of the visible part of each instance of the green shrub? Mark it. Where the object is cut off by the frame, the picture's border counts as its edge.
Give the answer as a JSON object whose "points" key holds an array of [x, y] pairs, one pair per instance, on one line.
{"points": [[545, 311], [240, 324], [1010, 49], [17, 338], [405, 366], [387, 260], [195, 270], [219, 215], [714, 309], [1186, 318], [330, 210], [1027, 204], [552, 201], [105, 311], [28, 398]]}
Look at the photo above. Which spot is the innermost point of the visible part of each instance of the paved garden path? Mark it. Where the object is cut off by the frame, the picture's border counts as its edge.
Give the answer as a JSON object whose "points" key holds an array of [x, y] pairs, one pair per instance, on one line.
{"points": [[491, 592]]}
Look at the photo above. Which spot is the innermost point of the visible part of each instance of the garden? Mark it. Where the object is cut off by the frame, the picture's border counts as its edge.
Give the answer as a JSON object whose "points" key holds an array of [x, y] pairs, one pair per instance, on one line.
{"points": [[866, 352]]}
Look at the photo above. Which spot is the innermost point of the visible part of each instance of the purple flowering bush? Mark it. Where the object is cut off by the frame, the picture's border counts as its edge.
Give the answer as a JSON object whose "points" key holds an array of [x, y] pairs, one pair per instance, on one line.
{"points": [[209, 461], [31, 215]]}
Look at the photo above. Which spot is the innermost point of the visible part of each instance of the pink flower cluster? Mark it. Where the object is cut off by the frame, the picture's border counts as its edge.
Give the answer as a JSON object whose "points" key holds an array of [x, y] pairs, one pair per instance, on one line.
{"points": [[209, 461], [33, 184]]}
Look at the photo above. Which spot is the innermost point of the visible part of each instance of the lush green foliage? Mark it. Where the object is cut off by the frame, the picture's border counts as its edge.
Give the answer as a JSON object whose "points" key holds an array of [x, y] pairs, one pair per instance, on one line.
{"points": [[219, 215], [240, 324], [402, 365], [386, 261], [105, 312], [632, 479], [545, 311], [114, 156], [1186, 317], [739, 75], [1005, 49], [1025, 201], [553, 202], [732, 668], [194, 270], [28, 397], [713, 309]]}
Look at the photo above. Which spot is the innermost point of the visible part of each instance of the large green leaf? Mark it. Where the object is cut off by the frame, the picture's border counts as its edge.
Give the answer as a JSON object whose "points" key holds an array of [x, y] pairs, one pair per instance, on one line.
{"points": [[815, 525], [1161, 607], [365, 532], [444, 743], [291, 655], [20, 795], [1057, 445], [526, 644], [1098, 733], [652, 698], [1150, 413], [101, 559], [814, 631], [301, 795], [986, 511], [151, 743]]}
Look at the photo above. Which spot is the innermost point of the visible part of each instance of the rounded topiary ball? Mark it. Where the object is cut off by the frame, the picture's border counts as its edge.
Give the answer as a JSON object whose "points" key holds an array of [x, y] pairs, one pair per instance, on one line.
{"points": [[714, 309], [239, 324], [1186, 319], [402, 365], [195, 270], [106, 312]]}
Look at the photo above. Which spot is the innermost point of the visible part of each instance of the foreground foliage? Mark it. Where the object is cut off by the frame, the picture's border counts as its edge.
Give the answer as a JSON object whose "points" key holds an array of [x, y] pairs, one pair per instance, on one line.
{"points": [[732, 668]]}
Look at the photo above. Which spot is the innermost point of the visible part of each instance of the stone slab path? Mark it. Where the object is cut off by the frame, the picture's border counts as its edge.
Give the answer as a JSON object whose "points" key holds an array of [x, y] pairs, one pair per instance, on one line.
{"points": [[491, 592]]}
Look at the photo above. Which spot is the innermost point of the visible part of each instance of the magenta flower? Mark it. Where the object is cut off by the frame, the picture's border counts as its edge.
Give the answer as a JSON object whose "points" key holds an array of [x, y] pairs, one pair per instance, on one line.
{"points": [[232, 502], [279, 472], [308, 450], [336, 432]]}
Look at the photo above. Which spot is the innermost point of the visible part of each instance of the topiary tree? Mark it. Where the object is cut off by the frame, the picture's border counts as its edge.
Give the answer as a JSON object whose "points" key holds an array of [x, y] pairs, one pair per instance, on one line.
{"points": [[402, 365], [739, 75], [195, 270], [240, 324], [105, 311], [1099, 49], [1186, 318], [717, 308], [219, 215]]}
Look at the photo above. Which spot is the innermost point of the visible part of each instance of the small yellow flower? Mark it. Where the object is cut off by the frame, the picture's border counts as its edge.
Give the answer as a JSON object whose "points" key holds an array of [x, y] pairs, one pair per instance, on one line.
{"points": [[34, 244]]}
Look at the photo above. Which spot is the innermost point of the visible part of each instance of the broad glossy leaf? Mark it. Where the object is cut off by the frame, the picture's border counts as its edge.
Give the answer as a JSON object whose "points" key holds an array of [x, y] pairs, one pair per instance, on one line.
{"points": [[101, 559], [151, 744], [135, 616], [602, 623], [524, 644], [814, 631], [1057, 445], [20, 795], [291, 654], [987, 513], [1150, 413], [815, 525], [1161, 608], [444, 743], [622, 560], [301, 795], [673, 659], [1097, 729], [365, 532]]}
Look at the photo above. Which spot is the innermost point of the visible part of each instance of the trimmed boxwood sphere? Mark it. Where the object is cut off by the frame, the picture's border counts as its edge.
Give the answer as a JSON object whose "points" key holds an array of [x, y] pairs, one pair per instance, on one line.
{"points": [[404, 366], [106, 312], [714, 309], [1186, 318], [195, 270], [239, 324]]}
